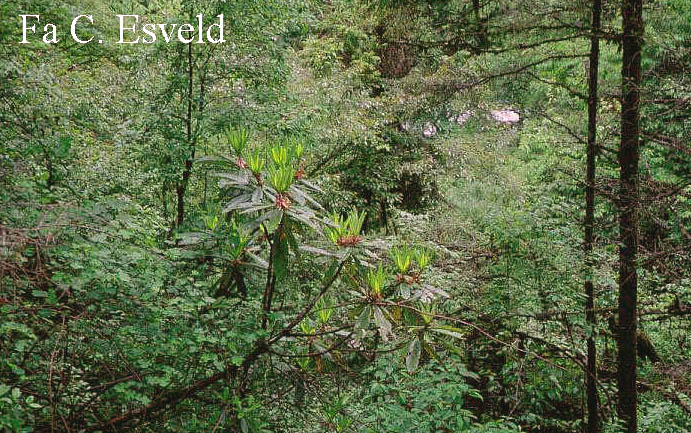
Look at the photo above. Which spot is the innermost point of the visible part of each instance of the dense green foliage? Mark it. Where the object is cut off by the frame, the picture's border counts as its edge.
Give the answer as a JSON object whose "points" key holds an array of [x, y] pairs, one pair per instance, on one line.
{"points": [[326, 225]]}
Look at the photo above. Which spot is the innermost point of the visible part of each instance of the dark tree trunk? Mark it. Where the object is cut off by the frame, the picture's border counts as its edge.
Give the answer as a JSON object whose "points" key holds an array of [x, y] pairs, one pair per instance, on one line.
{"points": [[481, 26], [232, 276], [591, 319], [632, 15], [646, 349], [187, 171], [270, 286]]}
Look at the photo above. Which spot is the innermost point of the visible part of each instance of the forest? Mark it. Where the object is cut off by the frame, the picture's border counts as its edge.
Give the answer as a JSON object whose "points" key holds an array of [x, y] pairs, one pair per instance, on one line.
{"points": [[352, 216]]}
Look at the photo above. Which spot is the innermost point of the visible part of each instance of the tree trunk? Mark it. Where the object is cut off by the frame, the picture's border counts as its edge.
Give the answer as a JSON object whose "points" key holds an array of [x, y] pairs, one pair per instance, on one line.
{"points": [[632, 15], [481, 26], [187, 171], [231, 276], [591, 319]]}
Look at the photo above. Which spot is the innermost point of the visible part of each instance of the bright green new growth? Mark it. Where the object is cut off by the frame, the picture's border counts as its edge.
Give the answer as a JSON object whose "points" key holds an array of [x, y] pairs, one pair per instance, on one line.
{"points": [[303, 361], [211, 221], [282, 178], [346, 231], [285, 158], [295, 148], [255, 161], [354, 222], [238, 138], [307, 326], [237, 242], [288, 152], [337, 230], [402, 257], [427, 311], [279, 155], [324, 310], [298, 149], [423, 257], [376, 279]]}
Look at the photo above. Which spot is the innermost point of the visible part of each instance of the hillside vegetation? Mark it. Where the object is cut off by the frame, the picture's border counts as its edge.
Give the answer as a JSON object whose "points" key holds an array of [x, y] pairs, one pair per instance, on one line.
{"points": [[365, 216]]}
